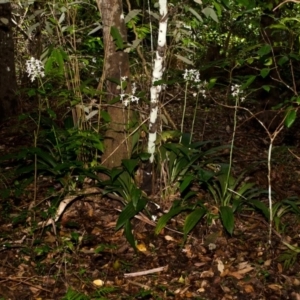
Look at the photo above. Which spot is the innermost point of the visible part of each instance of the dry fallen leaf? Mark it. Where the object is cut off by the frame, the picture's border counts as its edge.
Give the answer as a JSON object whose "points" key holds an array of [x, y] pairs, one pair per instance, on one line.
{"points": [[275, 287], [169, 238], [248, 288], [268, 262], [208, 273], [141, 247], [236, 275], [181, 280], [98, 282], [220, 266]]}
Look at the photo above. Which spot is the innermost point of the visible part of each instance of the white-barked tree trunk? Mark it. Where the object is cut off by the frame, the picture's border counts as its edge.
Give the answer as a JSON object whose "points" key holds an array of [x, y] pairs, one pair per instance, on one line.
{"points": [[157, 74]]}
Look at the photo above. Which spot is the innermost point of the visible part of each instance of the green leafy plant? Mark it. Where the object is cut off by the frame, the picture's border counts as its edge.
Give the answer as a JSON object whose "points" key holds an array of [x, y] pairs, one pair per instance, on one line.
{"points": [[177, 164], [229, 193], [181, 164], [134, 200], [196, 213], [74, 295], [289, 257]]}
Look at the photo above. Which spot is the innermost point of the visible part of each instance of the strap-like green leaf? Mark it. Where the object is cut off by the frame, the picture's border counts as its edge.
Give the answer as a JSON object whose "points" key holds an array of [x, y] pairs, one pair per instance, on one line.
{"points": [[227, 218]]}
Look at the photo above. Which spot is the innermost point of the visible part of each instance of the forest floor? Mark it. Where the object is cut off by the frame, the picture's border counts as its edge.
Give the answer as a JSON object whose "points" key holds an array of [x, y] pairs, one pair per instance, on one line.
{"points": [[83, 257]]}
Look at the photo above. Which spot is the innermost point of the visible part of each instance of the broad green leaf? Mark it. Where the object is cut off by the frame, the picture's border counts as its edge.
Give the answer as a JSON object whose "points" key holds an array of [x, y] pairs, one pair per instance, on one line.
{"points": [[195, 14], [192, 220], [226, 4], [144, 156], [126, 182], [227, 218], [114, 100], [129, 212], [132, 14], [205, 176], [130, 165], [189, 195], [264, 50], [114, 173], [262, 207], [266, 88], [115, 33], [185, 183], [248, 82], [184, 59], [282, 60], [218, 8], [105, 116], [264, 72], [135, 196], [243, 2], [211, 83], [209, 12], [98, 27], [295, 99], [236, 203], [162, 222], [268, 61], [244, 188], [293, 205], [280, 26], [62, 18], [128, 234], [290, 117], [135, 137], [45, 157]]}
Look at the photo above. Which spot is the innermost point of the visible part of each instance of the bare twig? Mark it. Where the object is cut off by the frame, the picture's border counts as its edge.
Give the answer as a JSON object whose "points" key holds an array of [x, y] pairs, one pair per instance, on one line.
{"points": [[286, 1], [142, 273]]}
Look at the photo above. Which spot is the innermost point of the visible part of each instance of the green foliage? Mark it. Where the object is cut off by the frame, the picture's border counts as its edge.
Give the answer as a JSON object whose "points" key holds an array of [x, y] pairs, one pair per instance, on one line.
{"points": [[196, 213], [74, 295], [229, 193], [279, 209], [177, 164], [61, 156], [122, 182], [182, 164], [288, 258], [117, 38], [225, 189]]}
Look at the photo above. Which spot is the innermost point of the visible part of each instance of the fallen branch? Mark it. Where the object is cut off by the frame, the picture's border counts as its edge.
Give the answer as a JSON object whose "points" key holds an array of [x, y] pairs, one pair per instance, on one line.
{"points": [[142, 273]]}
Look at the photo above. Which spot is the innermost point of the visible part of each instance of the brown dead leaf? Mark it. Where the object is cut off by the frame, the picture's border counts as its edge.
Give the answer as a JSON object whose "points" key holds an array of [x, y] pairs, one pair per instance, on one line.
{"points": [[35, 290], [206, 274], [246, 270], [141, 247], [220, 266], [295, 296], [50, 238], [275, 287], [98, 282], [236, 275], [268, 262], [199, 264], [225, 273], [169, 238], [248, 288]]}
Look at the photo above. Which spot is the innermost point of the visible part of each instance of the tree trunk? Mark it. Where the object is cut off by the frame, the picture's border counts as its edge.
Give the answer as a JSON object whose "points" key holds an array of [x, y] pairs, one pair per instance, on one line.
{"points": [[8, 82], [116, 66]]}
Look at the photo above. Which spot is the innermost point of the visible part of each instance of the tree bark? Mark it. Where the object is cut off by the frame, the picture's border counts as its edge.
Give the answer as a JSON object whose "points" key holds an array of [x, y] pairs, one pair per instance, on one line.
{"points": [[8, 82], [116, 66]]}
